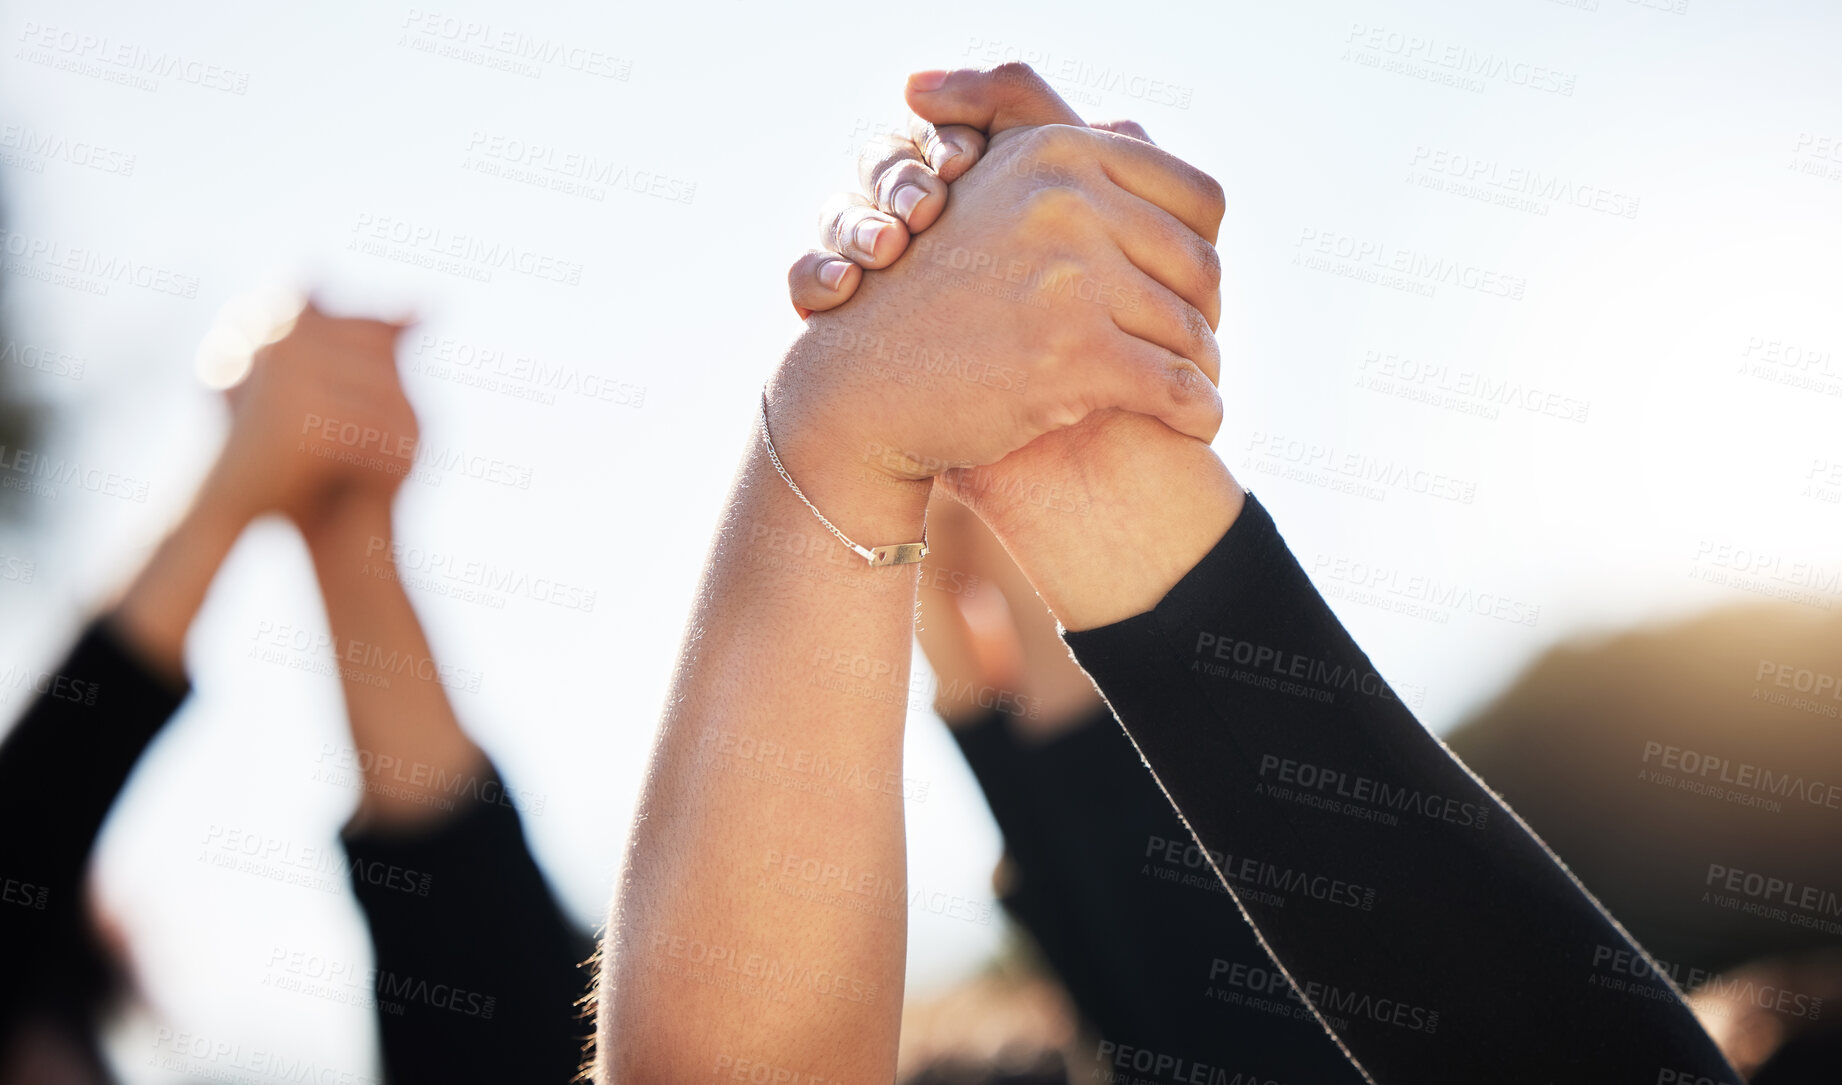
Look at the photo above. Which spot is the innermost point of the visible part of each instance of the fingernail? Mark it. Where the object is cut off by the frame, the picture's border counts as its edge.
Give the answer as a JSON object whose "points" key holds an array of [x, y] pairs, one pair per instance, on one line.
{"points": [[866, 234], [907, 198], [940, 154], [831, 273], [929, 80]]}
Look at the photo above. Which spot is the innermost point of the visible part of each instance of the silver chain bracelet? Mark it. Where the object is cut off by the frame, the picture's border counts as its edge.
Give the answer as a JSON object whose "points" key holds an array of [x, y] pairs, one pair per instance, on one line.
{"points": [[899, 554]]}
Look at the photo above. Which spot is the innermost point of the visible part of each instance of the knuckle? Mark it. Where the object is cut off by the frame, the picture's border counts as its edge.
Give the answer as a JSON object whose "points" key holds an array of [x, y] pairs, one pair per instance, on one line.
{"points": [[1053, 206], [1196, 328], [839, 227], [1208, 263], [1063, 138], [880, 155], [1015, 76], [800, 273], [906, 172], [1214, 197], [1048, 414]]}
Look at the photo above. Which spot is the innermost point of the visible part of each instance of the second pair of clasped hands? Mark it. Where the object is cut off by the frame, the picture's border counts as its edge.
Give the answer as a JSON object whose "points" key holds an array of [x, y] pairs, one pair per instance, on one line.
{"points": [[1081, 261]]}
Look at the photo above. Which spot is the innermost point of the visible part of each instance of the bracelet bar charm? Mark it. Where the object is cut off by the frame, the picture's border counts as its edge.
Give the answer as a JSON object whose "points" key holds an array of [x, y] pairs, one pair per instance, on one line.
{"points": [[898, 554]]}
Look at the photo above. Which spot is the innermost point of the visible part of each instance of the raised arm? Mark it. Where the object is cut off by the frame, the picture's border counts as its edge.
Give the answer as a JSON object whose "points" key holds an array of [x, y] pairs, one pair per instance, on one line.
{"points": [[761, 913], [1409, 911], [67, 758], [437, 856]]}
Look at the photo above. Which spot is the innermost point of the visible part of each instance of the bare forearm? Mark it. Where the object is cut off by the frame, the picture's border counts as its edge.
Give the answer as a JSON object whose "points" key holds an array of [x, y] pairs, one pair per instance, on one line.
{"points": [[761, 914], [402, 722], [158, 607]]}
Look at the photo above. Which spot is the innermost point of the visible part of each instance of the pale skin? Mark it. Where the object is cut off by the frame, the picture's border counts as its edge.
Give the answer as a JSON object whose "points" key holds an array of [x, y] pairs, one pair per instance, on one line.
{"points": [[724, 944], [1155, 500]]}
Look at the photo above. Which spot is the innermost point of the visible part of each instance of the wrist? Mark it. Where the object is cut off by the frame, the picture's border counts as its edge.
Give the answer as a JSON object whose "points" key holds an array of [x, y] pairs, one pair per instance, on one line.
{"points": [[842, 472], [868, 506], [353, 523], [223, 504], [1151, 503]]}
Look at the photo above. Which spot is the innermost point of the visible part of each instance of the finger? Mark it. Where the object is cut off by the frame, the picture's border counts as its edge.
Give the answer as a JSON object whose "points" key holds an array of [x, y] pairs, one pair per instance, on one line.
{"points": [[821, 280], [1147, 310], [1154, 175], [1124, 128], [949, 149], [993, 100], [1146, 378], [852, 227], [1167, 251], [894, 176]]}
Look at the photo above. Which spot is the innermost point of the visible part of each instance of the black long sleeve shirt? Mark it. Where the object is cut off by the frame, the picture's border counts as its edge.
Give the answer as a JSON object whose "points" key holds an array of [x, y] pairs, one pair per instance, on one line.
{"points": [[476, 978], [1084, 826], [1434, 935]]}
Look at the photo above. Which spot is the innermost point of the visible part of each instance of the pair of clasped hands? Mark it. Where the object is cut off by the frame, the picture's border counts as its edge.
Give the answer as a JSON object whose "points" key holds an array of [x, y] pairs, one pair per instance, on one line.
{"points": [[1081, 261]]}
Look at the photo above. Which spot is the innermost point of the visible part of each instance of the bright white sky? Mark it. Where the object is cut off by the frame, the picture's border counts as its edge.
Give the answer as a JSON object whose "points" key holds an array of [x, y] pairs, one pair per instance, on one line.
{"points": [[1718, 123]]}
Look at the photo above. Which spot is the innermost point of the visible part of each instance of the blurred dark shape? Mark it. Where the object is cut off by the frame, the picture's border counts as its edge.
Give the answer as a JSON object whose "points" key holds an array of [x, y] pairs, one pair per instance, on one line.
{"points": [[1691, 776], [1009, 1025], [21, 420]]}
